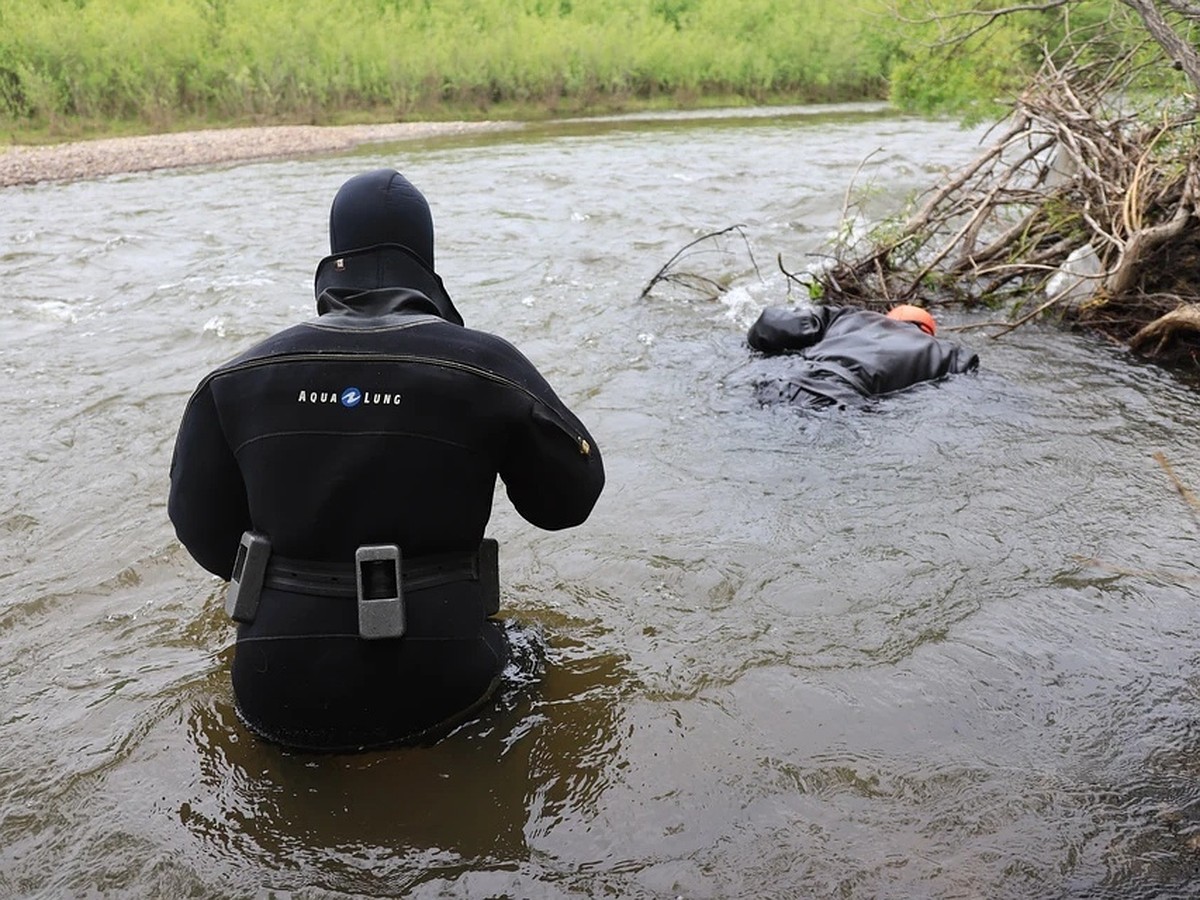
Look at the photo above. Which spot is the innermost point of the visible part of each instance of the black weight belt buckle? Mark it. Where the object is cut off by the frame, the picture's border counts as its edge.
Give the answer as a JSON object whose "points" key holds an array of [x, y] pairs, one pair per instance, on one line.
{"points": [[380, 591]]}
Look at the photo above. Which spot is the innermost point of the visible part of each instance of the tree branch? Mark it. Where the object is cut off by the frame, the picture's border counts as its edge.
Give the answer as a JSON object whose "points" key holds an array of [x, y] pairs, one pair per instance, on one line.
{"points": [[1176, 47]]}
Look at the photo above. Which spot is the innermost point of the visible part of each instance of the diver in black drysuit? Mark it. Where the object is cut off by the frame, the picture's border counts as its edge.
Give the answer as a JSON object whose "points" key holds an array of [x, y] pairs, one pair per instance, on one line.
{"points": [[842, 356], [383, 421]]}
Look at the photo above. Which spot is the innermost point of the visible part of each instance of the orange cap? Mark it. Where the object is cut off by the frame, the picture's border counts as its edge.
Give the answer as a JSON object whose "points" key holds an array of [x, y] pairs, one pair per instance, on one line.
{"points": [[906, 312]]}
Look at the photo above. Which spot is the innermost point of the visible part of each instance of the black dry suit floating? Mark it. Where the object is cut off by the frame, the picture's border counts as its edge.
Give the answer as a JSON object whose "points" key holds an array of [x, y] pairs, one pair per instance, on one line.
{"points": [[377, 580]]}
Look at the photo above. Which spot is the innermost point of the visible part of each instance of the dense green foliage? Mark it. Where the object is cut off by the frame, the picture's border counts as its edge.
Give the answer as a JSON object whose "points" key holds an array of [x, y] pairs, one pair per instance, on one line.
{"points": [[951, 56], [70, 66], [164, 62]]}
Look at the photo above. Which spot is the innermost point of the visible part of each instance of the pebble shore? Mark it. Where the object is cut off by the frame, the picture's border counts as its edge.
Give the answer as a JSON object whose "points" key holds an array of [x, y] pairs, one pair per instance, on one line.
{"points": [[111, 156]]}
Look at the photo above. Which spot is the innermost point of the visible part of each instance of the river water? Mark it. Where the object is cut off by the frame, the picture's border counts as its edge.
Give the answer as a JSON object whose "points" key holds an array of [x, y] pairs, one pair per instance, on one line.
{"points": [[946, 647]]}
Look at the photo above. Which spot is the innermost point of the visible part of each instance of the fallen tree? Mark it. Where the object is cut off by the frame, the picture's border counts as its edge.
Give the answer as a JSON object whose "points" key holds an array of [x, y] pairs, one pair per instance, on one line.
{"points": [[1082, 206], [1077, 208]]}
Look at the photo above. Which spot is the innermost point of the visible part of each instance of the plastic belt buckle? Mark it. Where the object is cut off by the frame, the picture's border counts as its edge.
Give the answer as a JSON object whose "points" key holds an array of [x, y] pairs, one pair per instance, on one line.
{"points": [[249, 568], [380, 591]]}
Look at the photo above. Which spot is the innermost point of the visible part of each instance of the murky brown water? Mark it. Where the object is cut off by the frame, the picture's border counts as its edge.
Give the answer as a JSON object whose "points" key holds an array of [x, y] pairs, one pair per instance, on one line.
{"points": [[946, 648]]}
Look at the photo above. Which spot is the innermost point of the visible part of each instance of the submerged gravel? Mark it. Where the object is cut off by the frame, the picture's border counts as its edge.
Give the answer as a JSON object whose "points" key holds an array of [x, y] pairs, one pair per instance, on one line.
{"points": [[111, 156]]}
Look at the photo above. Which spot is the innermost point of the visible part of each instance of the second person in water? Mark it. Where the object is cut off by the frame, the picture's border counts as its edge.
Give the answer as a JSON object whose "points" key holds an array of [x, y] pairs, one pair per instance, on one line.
{"points": [[842, 356]]}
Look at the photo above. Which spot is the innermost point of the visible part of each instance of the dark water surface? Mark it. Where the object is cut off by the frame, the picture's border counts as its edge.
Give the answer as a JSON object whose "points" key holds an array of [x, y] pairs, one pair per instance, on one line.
{"points": [[944, 648]]}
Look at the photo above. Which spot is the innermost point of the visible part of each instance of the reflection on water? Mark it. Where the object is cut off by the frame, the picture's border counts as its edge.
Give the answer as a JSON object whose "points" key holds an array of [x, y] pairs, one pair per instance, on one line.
{"points": [[474, 802], [944, 647]]}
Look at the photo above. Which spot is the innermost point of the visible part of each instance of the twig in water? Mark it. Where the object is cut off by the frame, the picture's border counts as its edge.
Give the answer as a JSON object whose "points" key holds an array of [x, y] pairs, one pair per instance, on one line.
{"points": [[1184, 490], [663, 273]]}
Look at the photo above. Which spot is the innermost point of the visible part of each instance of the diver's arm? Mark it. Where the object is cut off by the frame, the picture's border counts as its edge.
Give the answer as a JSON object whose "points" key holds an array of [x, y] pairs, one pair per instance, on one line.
{"points": [[207, 503], [552, 468]]}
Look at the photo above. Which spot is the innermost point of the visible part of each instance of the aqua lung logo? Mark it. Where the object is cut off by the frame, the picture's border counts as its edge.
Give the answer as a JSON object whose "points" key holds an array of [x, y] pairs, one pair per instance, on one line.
{"points": [[349, 397]]}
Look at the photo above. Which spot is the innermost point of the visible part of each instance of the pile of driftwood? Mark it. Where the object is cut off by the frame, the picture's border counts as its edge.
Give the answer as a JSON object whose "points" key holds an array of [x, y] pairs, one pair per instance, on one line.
{"points": [[1080, 208], [1083, 208]]}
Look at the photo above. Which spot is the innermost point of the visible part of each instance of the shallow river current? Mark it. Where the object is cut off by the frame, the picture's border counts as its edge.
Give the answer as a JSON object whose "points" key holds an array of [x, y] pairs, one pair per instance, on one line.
{"points": [[947, 647]]}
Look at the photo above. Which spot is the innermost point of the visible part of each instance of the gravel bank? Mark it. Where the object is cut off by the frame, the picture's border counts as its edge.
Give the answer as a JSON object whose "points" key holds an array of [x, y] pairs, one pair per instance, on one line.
{"points": [[110, 156]]}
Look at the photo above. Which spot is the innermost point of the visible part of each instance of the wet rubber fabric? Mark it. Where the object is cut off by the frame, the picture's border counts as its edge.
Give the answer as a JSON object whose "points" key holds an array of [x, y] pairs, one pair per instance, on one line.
{"points": [[381, 424], [302, 676], [382, 427], [839, 356]]}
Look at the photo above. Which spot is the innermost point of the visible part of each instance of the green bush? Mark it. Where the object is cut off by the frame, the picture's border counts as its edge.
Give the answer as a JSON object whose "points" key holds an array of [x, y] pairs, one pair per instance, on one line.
{"points": [[941, 60]]}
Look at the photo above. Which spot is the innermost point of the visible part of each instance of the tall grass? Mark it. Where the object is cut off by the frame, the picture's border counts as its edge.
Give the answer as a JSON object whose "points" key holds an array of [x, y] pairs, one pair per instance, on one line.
{"points": [[156, 64]]}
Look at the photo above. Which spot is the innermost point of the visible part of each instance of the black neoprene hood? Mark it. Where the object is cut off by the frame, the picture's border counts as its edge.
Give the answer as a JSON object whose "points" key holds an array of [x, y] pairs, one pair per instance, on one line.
{"points": [[381, 207], [380, 238]]}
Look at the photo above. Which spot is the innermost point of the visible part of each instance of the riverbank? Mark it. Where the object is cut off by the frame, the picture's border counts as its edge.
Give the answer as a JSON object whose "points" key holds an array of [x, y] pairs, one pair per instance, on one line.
{"points": [[113, 156]]}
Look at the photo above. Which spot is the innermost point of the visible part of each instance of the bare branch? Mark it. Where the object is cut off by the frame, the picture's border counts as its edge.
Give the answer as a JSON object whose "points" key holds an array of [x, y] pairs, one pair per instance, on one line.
{"points": [[1185, 9], [1183, 53], [691, 279], [1183, 489], [989, 17]]}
